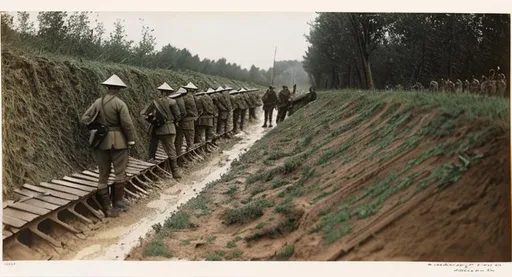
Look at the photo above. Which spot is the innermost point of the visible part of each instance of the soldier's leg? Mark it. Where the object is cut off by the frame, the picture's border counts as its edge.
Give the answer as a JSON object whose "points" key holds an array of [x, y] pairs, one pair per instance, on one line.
{"points": [[242, 119], [270, 116], [103, 160], [236, 117], [197, 133], [168, 144], [120, 162], [213, 130], [266, 118], [153, 145], [218, 126], [189, 137], [178, 143]]}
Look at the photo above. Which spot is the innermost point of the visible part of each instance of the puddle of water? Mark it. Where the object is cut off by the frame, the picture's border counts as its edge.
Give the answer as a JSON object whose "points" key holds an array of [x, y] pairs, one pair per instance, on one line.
{"points": [[182, 192], [112, 233]]}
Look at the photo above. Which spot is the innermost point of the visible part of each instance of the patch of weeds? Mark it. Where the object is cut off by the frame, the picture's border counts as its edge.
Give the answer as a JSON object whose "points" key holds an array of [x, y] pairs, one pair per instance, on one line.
{"points": [[210, 239], [285, 253], [335, 152], [178, 221], [337, 233], [286, 207], [185, 242], [213, 257], [260, 225], [265, 176], [237, 253], [157, 248], [231, 244], [277, 183], [257, 190], [199, 203], [291, 164], [232, 189], [250, 211], [277, 156]]}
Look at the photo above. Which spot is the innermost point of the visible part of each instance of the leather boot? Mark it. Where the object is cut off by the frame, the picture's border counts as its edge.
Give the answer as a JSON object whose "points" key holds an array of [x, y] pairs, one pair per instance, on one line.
{"points": [[119, 197], [175, 169], [106, 204]]}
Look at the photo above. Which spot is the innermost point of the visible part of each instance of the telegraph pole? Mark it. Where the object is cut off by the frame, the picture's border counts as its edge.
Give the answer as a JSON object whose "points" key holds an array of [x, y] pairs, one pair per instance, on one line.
{"points": [[273, 67]]}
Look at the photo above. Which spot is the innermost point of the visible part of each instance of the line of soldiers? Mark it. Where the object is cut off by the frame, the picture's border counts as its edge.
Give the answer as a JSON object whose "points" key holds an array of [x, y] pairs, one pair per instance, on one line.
{"points": [[492, 85], [280, 101], [187, 113]]}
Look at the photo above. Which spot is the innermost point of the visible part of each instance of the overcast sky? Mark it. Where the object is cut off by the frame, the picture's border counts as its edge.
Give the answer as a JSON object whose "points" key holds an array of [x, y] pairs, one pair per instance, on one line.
{"points": [[245, 38]]}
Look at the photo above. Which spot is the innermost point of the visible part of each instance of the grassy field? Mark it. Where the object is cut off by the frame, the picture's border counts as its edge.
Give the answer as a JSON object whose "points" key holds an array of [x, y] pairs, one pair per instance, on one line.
{"points": [[359, 176], [43, 99]]}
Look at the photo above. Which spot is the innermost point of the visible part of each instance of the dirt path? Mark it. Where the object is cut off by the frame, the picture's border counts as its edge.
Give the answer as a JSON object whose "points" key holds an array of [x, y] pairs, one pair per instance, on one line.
{"points": [[115, 239]]}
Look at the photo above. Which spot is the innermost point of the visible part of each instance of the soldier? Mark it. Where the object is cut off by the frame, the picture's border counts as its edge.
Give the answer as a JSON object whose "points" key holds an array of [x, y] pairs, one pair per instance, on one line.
{"points": [[236, 109], [209, 113], [222, 108], [312, 93], [213, 98], [269, 103], [475, 86], [458, 86], [187, 121], [198, 101], [178, 142], [502, 85], [252, 103], [243, 105], [283, 103], [165, 114], [434, 86], [229, 107], [112, 132], [466, 86], [148, 114]]}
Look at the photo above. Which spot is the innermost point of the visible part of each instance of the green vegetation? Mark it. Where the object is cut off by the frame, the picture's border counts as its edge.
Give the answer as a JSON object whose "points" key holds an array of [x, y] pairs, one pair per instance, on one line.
{"points": [[250, 211], [157, 248], [285, 253]]}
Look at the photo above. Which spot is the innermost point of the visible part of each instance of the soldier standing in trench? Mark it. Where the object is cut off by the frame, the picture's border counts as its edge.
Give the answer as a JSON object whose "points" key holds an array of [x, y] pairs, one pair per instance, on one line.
{"points": [[269, 103], [283, 103], [222, 106], [212, 100], [229, 106], [112, 132], [186, 125], [178, 97], [164, 116], [235, 101], [243, 105], [208, 121]]}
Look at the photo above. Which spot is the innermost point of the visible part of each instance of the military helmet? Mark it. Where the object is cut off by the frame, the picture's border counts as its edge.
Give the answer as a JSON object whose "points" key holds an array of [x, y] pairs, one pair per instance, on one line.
{"points": [[114, 81], [190, 86], [165, 87]]}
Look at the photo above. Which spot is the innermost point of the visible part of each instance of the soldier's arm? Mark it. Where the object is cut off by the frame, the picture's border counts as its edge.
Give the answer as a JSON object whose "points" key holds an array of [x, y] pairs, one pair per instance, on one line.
{"points": [[90, 115], [127, 124], [175, 111]]}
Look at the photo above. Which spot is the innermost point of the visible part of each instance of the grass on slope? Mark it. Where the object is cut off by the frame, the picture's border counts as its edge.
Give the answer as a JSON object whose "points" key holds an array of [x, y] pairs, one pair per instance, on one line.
{"points": [[345, 137]]}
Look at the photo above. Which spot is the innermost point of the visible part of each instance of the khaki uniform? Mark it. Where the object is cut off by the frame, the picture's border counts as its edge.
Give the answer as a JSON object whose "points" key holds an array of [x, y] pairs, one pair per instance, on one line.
{"points": [[207, 119], [214, 99], [269, 103], [236, 110], [243, 104], [186, 124], [283, 104], [113, 149], [167, 132], [199, 105], [253, 104], [229, 106], [222, 120]]}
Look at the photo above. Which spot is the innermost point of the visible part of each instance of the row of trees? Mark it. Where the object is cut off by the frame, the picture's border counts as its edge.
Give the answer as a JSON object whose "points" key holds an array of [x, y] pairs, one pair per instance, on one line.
{"points": [[76, 35], [363, 50]]}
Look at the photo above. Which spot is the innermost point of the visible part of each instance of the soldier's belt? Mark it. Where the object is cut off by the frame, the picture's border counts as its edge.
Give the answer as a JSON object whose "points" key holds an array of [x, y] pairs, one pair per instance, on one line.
{"points": [[114, 128]]}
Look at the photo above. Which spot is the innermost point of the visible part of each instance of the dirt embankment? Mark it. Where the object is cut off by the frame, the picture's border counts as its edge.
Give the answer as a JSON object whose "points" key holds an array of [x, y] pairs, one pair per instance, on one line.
{"points": [[43, 99], [353, 176]]}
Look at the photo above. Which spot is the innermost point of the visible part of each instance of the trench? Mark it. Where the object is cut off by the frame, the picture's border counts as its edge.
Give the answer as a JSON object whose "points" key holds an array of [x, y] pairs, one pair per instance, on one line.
{"points": [[116, 240]]}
